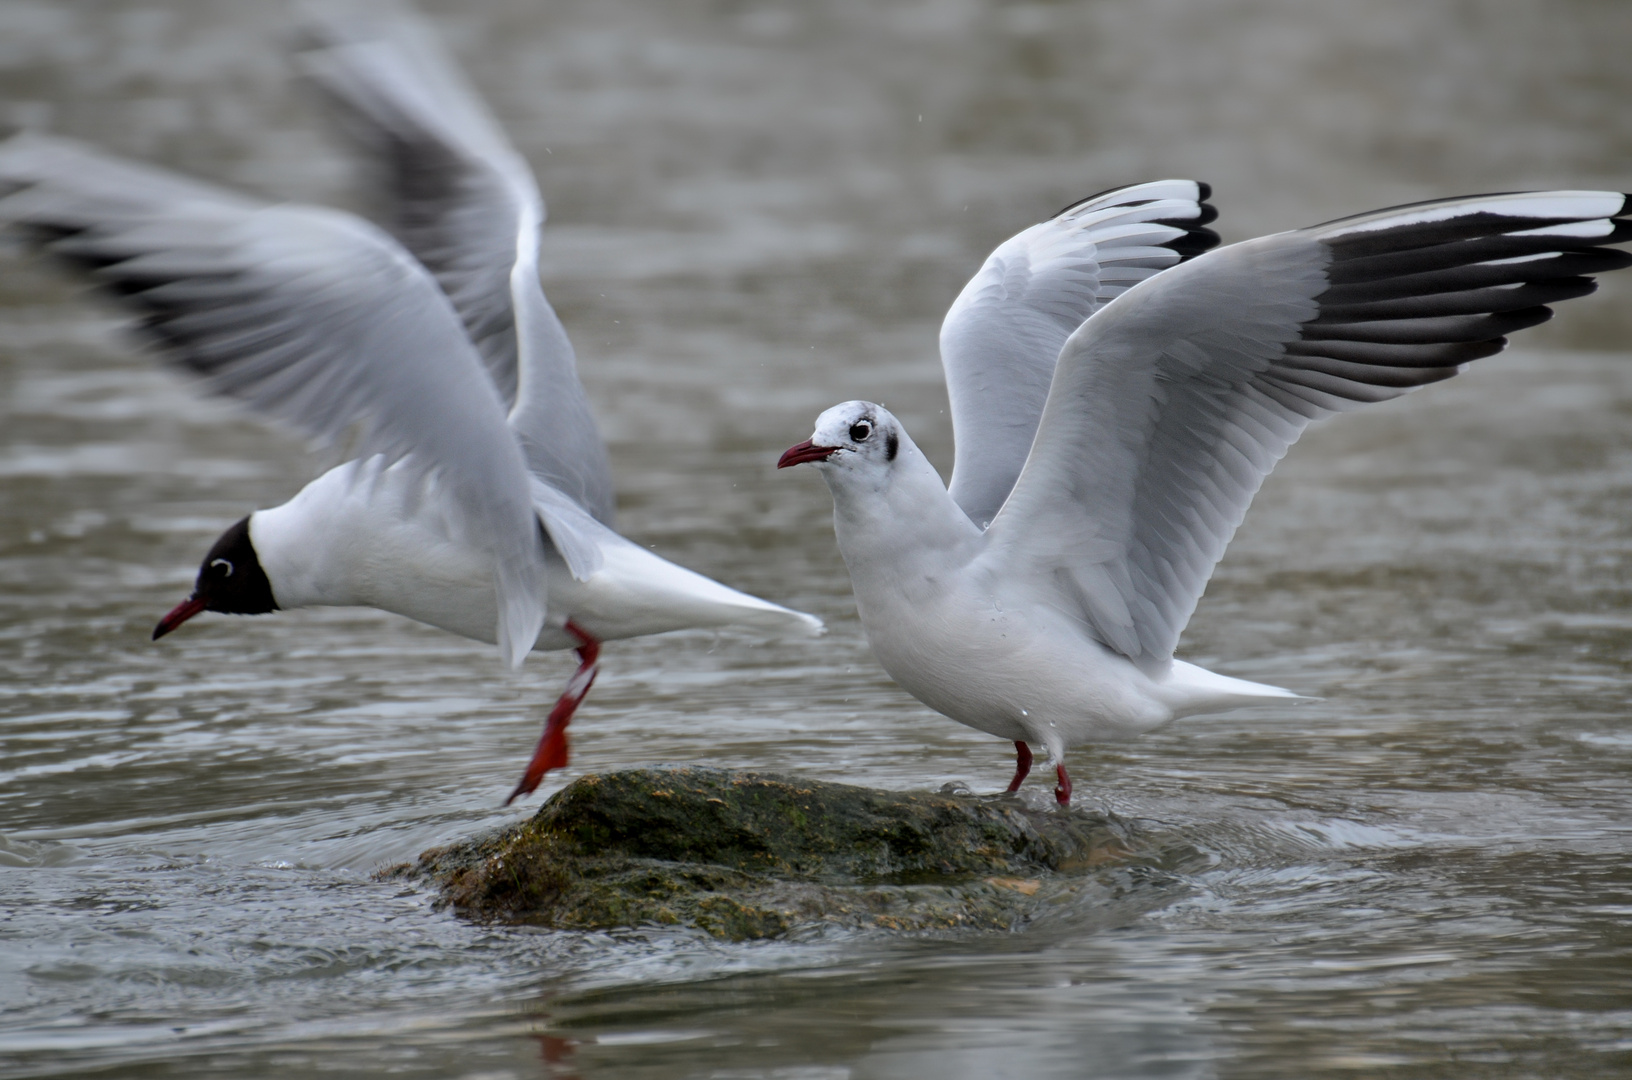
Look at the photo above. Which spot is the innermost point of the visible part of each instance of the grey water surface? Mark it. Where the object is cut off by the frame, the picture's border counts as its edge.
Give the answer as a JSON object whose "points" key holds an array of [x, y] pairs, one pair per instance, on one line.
{"points": [[758, 209]]}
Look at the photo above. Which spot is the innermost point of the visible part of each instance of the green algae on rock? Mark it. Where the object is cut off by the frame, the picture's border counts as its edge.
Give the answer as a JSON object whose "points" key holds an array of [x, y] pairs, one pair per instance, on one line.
{"points": [[746, 855]]}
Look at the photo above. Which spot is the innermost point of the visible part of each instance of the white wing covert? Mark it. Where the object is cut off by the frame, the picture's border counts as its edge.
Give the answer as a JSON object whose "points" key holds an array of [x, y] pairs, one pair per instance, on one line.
{"points": [[464, 203], [1004, 331], [1171, 405], [311, 316]]}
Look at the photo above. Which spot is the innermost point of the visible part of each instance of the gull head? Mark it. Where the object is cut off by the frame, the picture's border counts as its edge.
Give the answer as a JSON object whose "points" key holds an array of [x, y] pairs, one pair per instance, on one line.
{"points": [[230, 581], [855, 437]]}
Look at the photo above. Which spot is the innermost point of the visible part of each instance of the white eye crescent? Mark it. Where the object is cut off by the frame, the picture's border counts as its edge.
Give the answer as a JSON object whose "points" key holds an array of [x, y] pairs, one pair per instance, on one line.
{"points": [[222, 562]]}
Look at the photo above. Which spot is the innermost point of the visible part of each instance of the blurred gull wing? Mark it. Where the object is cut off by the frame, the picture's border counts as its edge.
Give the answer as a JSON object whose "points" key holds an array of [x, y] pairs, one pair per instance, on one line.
{"points": [[465, 203], [1003, 333], [1171, 405], [455, 192], [308, 315]]}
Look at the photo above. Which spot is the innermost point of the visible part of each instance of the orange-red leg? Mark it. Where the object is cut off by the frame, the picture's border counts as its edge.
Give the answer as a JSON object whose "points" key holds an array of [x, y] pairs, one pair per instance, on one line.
{"points": [[552, 745], [1062, 791], [1022, 765]]}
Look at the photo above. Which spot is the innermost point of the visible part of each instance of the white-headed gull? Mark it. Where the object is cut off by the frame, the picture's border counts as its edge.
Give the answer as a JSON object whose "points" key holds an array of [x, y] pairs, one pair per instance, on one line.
{"points": [[482, 501], [1116, 405]]}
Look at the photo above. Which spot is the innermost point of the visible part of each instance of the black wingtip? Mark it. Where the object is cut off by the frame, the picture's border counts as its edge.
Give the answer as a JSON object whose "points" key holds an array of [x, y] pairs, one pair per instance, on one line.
{"points": [[1620, 231], [1204, 191], [1192, 243], [1607, 260]]}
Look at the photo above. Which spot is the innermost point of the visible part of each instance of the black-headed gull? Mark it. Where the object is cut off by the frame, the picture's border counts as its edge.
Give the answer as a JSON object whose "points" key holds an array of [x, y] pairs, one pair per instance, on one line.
{"points": [[1116, 406], [482, 503]]}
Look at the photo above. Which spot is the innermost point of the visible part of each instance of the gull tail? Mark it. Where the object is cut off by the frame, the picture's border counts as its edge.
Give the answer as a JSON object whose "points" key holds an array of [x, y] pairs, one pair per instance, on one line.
{"points": [[632, 592], [1197, 690], [700, 601], [637, 592]]}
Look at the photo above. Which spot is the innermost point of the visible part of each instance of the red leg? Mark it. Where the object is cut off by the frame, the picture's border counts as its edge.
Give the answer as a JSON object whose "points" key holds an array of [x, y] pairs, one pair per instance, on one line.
{"points": [[552, 746], [1022, 765], [1062, 792]]}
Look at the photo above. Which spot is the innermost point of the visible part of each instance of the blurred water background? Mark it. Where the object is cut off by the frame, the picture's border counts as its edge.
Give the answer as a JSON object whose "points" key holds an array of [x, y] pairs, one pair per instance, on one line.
{"points": [[758, 209]]}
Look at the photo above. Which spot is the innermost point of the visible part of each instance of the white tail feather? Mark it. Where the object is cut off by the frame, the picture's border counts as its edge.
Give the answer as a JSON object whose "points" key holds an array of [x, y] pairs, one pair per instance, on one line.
{"points": [[1197, 690]]}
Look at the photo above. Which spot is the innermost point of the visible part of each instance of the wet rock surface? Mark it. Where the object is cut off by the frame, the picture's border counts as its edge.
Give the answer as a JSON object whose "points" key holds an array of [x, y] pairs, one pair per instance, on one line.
{"points": [[745, 855]]}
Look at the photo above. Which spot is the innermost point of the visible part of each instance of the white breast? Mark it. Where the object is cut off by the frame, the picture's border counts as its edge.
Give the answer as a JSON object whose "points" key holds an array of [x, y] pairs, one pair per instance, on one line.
{"points": [[357, 536], [1015, 671]]}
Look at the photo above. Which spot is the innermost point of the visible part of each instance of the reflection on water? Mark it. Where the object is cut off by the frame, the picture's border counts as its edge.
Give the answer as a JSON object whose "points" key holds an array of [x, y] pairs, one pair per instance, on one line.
{"points": [[1425, 874]]}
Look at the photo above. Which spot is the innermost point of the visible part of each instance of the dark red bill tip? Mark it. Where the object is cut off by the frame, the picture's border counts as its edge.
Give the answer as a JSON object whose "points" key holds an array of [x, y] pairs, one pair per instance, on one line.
{"points": [[805, 451], [178, 615]]}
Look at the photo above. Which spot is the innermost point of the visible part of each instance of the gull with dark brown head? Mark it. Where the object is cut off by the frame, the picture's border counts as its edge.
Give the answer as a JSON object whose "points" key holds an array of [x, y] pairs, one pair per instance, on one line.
{"points": [[1118, 394]]}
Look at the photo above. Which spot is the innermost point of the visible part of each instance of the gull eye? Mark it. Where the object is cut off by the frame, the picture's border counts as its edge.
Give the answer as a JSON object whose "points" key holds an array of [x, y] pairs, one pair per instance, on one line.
{"points": [[860, 430], [226, 566]]}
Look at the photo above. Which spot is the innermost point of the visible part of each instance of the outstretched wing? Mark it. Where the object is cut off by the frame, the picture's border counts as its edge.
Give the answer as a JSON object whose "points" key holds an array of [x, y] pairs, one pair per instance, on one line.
{"points": [[311, 316], [1004, 331], [1171, 405], [464, 203]]}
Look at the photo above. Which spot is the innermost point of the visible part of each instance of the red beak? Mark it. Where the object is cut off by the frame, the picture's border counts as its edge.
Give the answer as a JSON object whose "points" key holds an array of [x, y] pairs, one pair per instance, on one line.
{"points": [[805, 451], [178, 615]]}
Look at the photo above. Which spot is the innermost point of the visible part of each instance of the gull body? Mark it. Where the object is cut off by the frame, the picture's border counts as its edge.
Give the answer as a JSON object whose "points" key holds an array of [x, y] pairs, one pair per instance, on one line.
{"points": [[967, 639], [369, 535], [1119, 392], [482, 502]]}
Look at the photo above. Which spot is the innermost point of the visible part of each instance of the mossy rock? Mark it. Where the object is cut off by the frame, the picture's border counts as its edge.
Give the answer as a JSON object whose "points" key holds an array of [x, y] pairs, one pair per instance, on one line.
{"points": [[745, 855]]}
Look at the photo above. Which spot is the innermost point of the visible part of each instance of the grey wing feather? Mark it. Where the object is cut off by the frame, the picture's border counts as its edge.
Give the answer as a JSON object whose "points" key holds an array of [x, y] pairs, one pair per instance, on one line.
{"points": [[1171, 405], [465, 203], [311, 316], [1001, 336], [576, 533]]}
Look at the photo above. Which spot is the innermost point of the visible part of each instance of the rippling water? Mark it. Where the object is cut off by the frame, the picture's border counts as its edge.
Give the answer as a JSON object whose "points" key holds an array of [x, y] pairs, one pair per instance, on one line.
{"points": [[759, 209]]}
